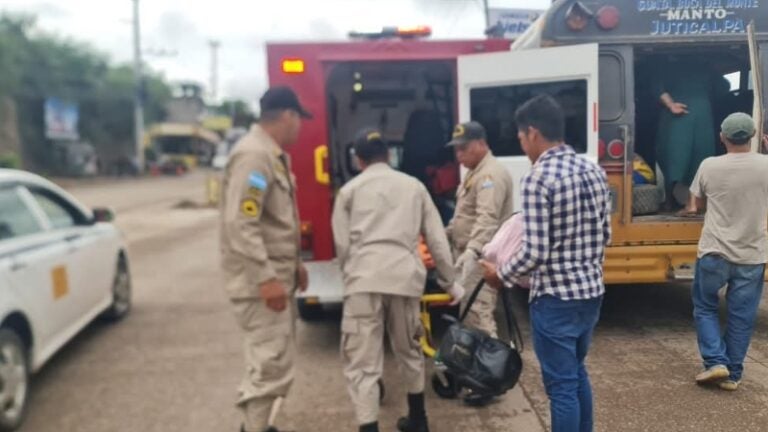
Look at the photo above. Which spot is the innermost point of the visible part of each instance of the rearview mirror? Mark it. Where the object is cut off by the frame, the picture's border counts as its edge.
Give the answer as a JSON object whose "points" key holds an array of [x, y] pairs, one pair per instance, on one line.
{"points": [[103, 215]]}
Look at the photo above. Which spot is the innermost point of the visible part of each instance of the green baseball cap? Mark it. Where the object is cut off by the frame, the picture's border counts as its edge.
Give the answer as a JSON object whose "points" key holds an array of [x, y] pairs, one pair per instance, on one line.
{"points": [[738, 126]]}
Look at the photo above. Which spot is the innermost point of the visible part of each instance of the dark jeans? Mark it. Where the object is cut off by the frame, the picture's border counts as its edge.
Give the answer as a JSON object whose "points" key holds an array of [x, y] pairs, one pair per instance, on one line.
{"points": [[744, 289], [562, 333]]}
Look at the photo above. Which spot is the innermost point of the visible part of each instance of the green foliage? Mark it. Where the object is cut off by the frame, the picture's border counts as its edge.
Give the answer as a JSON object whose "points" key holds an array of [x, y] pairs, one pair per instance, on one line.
{"points": [[10, 160], [239, 110]]}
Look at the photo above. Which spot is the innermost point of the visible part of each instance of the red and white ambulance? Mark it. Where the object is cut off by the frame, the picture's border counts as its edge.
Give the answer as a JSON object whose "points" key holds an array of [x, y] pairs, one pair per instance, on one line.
{"points": [[395, 81]]}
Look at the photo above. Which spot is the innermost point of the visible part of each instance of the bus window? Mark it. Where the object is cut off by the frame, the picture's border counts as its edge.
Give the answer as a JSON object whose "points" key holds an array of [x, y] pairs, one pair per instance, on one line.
{"points": [[494, 108], [612, 87]]}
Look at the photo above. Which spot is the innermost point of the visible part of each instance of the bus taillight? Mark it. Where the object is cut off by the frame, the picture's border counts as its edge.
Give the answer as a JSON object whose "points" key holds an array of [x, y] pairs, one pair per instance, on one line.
{"points": [[608, 17], [577, 17], [616, 149]]}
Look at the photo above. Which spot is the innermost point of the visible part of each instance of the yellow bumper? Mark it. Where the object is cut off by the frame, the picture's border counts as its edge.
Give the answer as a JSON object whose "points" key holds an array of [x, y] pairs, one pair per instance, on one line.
{"points": [[649, 264]]}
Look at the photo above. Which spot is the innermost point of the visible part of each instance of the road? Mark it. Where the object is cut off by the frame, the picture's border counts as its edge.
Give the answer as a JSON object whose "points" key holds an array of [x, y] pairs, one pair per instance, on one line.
{"points": [[174, 363]]}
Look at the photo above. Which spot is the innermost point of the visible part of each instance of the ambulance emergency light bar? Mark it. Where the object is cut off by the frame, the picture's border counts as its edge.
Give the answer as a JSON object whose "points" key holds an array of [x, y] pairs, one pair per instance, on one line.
{"points": [[393, 32]]}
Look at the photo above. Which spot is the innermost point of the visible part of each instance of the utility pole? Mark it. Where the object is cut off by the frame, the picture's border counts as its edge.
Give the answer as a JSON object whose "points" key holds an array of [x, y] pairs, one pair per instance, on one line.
{"points": [[214, 44], [487, 15], [138, 107]]}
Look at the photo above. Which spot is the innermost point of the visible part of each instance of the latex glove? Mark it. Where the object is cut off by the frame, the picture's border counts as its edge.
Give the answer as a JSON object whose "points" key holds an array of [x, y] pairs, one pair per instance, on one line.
{"points": [[457, 293], [466, 261]]}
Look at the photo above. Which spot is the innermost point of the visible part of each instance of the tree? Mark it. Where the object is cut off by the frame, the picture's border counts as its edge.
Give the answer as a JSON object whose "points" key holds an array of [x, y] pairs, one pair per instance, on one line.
{"points": [[240, 111]]}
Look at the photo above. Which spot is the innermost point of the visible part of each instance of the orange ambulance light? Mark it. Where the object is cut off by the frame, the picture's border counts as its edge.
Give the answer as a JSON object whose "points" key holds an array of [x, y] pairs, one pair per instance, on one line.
{"points": [[293, 66], [414, 31]]}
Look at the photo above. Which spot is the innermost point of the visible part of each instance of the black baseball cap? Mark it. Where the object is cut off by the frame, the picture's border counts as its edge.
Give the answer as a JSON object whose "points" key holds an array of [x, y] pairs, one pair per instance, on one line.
{"points": [[466, 132], [282, 98], [369, 135]]}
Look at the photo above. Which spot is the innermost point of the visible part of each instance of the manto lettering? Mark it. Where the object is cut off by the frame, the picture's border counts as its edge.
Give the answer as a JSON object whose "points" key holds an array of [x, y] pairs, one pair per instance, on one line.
{"points": [[695, 14], [668, 28]]}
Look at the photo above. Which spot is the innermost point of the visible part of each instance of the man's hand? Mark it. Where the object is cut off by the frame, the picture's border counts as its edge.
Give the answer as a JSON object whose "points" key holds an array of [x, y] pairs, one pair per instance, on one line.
{"points": [[457, 293], [303, 278], [678, 109], [765, 143], [274, 295], [490, 275]]}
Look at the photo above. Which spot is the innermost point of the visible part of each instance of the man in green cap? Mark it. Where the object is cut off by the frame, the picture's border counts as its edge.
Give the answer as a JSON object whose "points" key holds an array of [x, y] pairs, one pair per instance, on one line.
{"points": [[733, 249]]}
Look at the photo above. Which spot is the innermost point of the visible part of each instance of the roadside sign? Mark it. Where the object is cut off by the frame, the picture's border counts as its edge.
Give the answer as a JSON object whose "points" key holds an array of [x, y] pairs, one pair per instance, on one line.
{"points": [[511, 23], [61, 118]]}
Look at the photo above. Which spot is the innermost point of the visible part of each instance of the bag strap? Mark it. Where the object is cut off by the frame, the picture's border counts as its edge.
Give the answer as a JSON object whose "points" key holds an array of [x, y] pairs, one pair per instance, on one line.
{"points": [[471, 300], [513, 329]]}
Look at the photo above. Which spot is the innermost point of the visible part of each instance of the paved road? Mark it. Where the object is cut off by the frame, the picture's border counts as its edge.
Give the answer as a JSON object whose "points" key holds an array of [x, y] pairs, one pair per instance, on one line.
{"points": [[174, 363]]}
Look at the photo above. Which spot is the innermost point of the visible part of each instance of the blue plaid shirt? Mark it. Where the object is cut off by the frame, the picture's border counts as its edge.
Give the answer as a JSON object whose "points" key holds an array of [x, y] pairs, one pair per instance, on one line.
{"points": [[566, 208]]}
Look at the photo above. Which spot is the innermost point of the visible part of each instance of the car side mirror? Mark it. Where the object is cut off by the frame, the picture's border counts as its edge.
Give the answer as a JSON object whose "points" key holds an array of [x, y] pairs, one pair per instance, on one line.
{"points": [[103, 215]]}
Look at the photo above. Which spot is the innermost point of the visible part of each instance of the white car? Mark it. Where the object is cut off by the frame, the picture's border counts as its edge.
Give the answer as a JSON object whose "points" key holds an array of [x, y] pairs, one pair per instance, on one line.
{"points": [[61, 266]]}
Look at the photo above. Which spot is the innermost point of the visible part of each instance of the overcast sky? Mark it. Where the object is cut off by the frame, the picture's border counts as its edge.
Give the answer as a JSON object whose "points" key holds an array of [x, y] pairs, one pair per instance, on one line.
{"points": [[243, 26]]}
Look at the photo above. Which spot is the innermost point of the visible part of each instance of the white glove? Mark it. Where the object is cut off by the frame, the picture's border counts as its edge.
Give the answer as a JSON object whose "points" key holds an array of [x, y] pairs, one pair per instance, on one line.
{"points": [[457, 293]]}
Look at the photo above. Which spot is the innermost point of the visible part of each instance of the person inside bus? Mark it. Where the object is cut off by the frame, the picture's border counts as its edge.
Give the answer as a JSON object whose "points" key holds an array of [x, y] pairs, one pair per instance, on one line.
{"points": [[685, 136]]}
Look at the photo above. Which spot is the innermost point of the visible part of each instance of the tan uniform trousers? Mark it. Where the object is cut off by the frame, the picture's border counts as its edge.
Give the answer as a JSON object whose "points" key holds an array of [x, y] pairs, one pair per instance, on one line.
{"points": [[366, 318], [269, 355], [481, 314]]}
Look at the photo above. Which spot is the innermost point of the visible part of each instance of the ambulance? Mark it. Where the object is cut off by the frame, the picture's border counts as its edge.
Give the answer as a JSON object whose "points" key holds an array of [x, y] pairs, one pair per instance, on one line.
{"points": [[594, 56]]}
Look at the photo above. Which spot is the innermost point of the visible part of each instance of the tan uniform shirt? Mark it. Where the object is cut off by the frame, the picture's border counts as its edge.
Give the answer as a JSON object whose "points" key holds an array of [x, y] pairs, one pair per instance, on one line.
{"points": [[260, 237], [377, 220], [484, 202], [736, 188]]}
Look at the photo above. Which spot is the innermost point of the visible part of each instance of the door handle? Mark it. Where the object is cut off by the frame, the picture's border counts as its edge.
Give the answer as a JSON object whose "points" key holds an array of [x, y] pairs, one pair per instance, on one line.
{"points": [[321, 175]]}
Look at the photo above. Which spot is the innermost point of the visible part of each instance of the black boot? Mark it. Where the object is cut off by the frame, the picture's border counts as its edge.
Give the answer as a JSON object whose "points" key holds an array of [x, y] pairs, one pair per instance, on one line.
{"points": [[369, 427], [417, 416]]}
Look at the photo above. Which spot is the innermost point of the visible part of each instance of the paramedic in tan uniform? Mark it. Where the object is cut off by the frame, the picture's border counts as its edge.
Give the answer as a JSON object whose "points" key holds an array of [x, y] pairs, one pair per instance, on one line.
{"points": [[483, 203], [378, 218], [260, 253]]}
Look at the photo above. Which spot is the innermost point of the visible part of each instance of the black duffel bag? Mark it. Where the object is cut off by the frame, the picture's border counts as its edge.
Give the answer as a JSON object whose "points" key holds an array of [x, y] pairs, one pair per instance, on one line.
{"points": [[475, 360]]}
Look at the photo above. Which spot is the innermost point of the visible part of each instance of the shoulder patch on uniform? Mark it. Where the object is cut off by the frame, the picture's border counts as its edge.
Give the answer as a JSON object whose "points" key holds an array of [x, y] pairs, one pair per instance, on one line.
{"points": [[250, 207], [487, 183], [257, 180]]}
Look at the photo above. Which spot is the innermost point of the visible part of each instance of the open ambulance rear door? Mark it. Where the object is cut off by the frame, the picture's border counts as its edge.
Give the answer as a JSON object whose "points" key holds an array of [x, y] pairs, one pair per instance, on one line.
{"points": [[518, 72]]}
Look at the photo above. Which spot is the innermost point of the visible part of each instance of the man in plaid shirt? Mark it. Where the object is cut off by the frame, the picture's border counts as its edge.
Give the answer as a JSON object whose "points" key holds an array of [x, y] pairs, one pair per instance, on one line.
{"points": [[566, 207]]}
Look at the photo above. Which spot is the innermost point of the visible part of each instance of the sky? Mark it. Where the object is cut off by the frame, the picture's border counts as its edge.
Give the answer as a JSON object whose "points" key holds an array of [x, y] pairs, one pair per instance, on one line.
{"points": [[183, 29]]}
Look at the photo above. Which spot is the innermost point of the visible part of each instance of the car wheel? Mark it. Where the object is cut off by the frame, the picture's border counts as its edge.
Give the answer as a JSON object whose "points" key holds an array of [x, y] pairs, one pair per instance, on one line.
{"points": [[121, 293], [14, 380], [309, 312]]}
